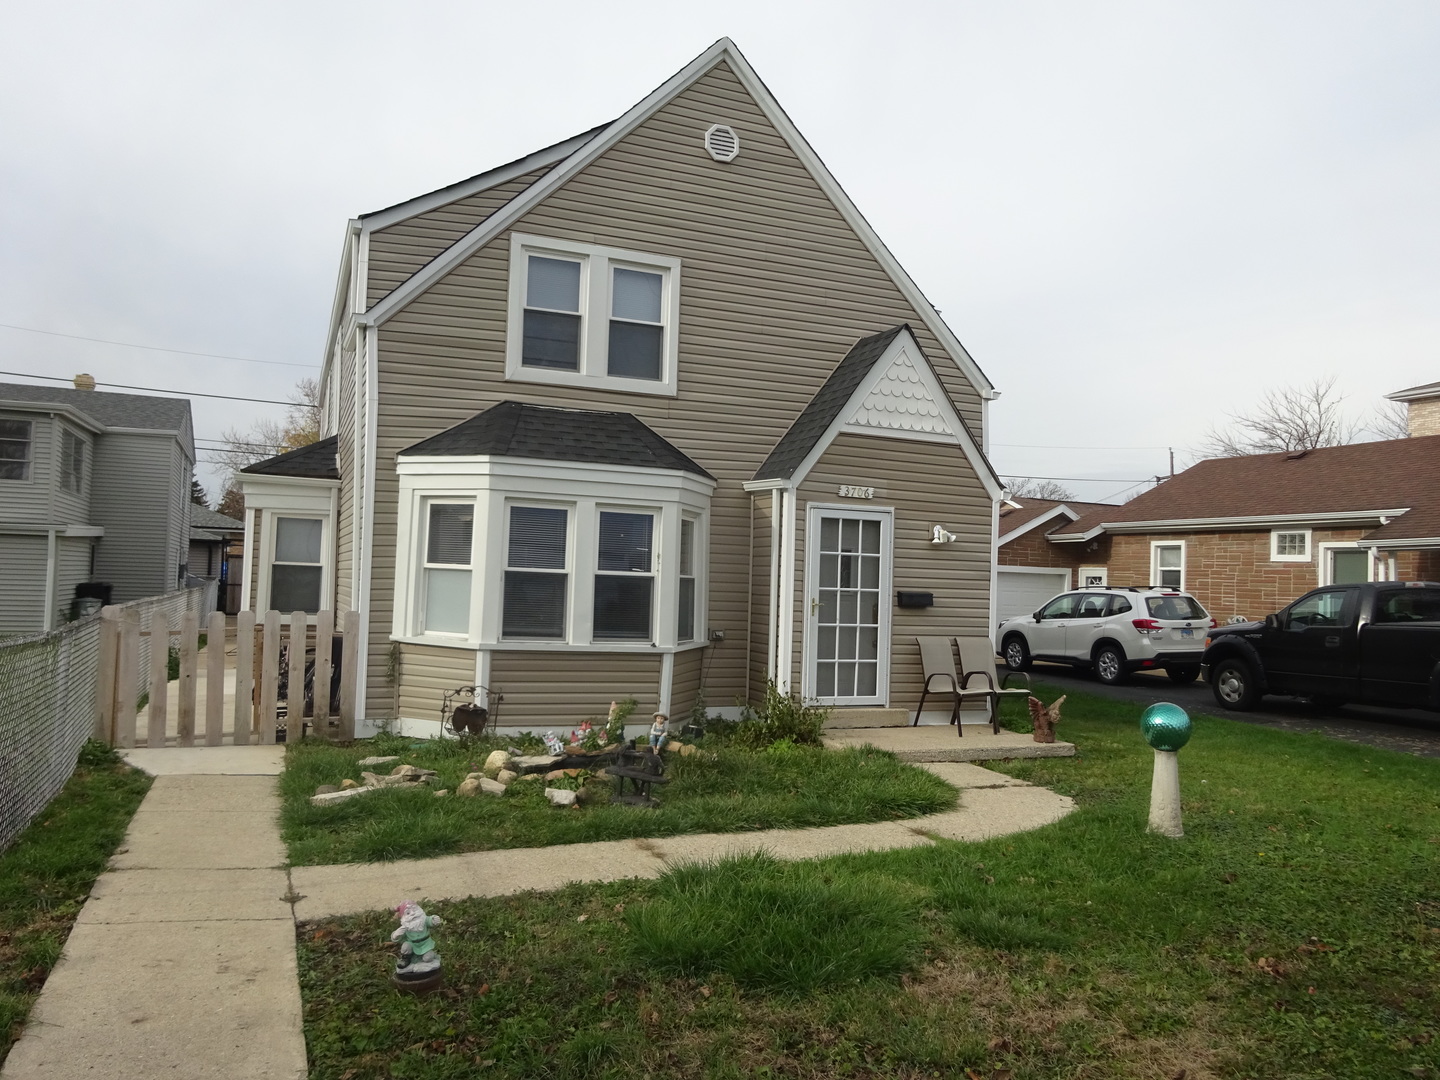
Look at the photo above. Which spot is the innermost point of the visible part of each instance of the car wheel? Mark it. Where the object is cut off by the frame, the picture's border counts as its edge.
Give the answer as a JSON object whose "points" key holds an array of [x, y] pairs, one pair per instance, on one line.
{"points": [[1110, 665], [1182, 676], [1017, 653], [1234, 684]]}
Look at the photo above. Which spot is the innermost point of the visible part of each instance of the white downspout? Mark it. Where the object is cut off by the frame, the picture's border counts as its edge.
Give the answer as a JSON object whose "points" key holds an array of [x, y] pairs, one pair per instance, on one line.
{"points": [[785, 655], [51, 556]]}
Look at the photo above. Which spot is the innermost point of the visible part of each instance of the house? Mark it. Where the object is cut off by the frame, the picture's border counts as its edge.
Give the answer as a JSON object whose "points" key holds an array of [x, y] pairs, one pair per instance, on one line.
{"points": [[216, 550], [1246, 535], [1030, 567], [650, 412], [94, 487]]}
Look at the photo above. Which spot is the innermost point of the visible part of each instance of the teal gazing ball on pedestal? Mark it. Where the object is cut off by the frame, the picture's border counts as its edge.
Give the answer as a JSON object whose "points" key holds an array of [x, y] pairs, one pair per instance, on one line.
{"points": [[1166, 726]]}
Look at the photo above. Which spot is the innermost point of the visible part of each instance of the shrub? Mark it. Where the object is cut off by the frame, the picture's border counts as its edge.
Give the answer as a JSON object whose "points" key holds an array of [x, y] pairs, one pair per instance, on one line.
{"points": [[780, 717]]}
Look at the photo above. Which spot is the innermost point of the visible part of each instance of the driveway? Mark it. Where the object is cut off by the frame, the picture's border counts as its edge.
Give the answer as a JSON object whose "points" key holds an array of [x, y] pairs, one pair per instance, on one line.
{"points": [[1410, 731]]}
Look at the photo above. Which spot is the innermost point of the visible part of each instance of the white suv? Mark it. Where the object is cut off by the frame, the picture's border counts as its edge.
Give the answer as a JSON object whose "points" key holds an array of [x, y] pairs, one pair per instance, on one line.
{"points": [[1114, 631]]}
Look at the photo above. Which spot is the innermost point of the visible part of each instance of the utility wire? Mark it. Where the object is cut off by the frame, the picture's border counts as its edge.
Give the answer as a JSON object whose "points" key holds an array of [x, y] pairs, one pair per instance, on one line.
{"points": [[1076, 479], [156, 390], [156, 348]]}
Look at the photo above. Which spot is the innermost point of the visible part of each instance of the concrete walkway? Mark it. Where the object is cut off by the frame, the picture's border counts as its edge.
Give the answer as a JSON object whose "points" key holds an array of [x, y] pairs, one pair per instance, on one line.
{"points": [[182, 963]]}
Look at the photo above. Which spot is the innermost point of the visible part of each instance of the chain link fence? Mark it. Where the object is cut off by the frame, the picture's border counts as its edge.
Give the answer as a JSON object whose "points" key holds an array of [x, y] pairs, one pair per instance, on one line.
{"points": [[48, 705]]}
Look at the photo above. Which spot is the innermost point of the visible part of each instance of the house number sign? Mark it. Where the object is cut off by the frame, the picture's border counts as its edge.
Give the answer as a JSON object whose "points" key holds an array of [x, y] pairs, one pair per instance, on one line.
{"points": [[850, 491]]}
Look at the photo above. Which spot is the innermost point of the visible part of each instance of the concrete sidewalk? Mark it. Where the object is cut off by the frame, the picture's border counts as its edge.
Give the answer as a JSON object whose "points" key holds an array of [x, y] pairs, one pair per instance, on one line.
{"points": [[182, 962]]}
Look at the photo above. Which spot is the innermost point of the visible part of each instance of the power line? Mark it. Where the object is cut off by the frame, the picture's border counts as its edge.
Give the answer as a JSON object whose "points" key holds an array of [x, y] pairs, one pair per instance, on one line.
{"points": [[1075, 479], [1039, 446], [156, 348], [156, 390]]}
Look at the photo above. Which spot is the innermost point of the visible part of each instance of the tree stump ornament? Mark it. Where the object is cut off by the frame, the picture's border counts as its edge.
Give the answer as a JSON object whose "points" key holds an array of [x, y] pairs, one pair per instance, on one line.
{"points": [[1044, 718], [1166, 728], [417, 971]]}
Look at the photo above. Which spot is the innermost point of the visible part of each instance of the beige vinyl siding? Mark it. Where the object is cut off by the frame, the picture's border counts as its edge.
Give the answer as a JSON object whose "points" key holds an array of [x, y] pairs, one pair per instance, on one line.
{"points": [[687, 681], [134, 500], [426, 672], [71, 507], [31, 501], [559, 689], [398, 252], [926, 484], [72, 566], [345, 461], [22, 583], [763, 511], [775, 289]]}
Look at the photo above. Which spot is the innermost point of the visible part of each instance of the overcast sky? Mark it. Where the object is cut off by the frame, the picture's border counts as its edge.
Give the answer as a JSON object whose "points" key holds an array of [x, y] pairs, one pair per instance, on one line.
{"points": [[1136, 216]]}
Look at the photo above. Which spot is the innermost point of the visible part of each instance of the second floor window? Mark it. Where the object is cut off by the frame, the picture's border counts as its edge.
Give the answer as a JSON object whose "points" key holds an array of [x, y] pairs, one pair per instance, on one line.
{"points": [[72, 461], [15, 449]]}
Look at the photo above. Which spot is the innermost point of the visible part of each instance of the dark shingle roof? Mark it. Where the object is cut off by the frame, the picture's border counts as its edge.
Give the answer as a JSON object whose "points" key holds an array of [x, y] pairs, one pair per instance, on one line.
{"points": [[512, 429], [202, 517], [1333, 479], [313, 462], [812, 423], [1030, 509], [112, 410]]}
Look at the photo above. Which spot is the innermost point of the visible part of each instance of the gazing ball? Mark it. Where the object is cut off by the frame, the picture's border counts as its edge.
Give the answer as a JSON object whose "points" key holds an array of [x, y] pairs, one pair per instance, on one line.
{"points": [[1166, 727]]}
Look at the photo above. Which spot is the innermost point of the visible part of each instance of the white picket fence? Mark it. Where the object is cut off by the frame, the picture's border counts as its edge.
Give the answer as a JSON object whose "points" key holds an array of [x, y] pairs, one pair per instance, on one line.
{"points": [[247, 708]]}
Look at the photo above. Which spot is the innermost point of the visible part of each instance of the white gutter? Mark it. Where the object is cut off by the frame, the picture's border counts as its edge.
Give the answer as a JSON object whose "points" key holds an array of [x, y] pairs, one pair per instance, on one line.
{"points": [[1342, 517], [372, 409]]}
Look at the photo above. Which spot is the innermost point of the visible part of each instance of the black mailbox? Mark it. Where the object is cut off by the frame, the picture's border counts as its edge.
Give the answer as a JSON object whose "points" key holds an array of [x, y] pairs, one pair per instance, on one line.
{"points": [[914, 599]]}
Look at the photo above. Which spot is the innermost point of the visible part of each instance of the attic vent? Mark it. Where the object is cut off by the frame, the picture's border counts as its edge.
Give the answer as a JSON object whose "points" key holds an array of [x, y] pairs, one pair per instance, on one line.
{"points": [[722, 142]]}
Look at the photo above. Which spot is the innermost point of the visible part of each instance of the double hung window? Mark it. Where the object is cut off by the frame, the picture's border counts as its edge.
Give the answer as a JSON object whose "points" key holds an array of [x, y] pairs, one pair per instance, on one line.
{"points": [[624, 576], [72, 461], [296, 570], [536, 573], [1167, 565], [585, 315], [15, 438], [449, 540], [685, 626]]}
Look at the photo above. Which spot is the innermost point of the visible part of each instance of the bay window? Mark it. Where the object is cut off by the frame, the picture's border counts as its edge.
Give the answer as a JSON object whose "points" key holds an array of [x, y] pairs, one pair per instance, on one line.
{"points": [[685, 627], [624, 576], [536, 576], [586, 315]]}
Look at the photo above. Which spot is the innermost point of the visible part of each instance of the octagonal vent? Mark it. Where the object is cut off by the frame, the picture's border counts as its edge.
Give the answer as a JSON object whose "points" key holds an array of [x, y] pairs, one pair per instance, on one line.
{"points": [[722, 143]]}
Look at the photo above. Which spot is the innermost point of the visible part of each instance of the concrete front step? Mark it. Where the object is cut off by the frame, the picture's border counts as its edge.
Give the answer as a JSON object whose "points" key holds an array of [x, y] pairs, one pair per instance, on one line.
{"points": [[867, 718]]}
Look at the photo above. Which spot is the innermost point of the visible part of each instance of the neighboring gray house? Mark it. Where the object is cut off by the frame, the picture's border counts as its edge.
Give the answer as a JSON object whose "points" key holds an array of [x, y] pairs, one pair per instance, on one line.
{"points": [[93, 487]]}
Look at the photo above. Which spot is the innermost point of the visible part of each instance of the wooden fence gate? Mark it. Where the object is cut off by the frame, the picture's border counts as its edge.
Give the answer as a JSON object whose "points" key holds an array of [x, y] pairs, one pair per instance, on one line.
{"points": [[246, 699]]}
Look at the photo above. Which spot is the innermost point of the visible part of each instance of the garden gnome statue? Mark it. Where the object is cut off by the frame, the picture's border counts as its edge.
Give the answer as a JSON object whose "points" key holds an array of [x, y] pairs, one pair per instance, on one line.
{"points": [[659, 732], [418, 969], [1167, 729]]}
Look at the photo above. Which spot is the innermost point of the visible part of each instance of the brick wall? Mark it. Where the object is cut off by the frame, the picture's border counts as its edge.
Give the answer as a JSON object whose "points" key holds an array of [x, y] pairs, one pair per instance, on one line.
{"points": [[1424, 417], [1228, 572], [1417, 565], [1033, 549]]}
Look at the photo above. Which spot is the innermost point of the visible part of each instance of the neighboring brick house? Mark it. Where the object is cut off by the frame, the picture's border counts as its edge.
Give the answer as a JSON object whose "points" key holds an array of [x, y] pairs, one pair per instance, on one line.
{"points": [[1246, 535], [1422, 408], [1029, 567]]}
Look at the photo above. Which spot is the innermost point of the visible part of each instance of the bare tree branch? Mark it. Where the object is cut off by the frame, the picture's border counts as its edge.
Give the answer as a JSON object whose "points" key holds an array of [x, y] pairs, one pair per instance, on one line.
{"points": [[1024, 487], [1286, 420], [1390, 420], [299, 427]]}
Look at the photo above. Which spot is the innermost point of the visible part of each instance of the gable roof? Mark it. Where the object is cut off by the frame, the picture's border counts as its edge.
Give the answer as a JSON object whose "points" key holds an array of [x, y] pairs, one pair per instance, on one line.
{"points": [[112, 410], [1031, 513], [815, 419], [514, 429], [1416, 393], [590, 148], [313, 462], [202, 517], [1394, 475]]}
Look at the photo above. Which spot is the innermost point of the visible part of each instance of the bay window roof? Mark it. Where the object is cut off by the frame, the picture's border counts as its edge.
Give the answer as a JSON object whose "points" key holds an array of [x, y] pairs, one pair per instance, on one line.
{"points": [[513, 429]]}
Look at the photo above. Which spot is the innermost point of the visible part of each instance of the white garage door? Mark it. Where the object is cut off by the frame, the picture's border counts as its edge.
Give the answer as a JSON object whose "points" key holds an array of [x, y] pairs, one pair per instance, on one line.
{"points": [[1022, 591]]}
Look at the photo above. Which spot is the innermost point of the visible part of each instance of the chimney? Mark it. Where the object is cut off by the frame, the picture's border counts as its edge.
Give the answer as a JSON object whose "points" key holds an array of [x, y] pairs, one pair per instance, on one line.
{"points": [[84, 382], [1422, 408]]}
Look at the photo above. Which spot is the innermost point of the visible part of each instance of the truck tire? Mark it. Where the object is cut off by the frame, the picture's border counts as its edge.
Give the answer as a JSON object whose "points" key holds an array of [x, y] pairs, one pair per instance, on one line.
{"points": [[1183, 675], [1233, 683]]}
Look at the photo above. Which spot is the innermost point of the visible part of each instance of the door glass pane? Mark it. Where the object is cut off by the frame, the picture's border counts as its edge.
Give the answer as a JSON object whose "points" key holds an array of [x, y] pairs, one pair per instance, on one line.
{"points": [[870, 572], [829, 571], [553, 284], [870, 537], [829, 534], [844, 680], [850, 535], [825, 644], [845, 640], [537, 537], [849, 606], [865, 675], [1349, 567], [636, 295], [847, 571], [534, 605], [869, 643], [297, 540], [869, 608], [294, 588], [447, 601], [825, 680], [829, 606]]}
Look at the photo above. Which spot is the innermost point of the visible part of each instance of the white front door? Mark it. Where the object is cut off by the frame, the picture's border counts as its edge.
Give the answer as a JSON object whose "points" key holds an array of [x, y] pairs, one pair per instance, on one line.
{"points": [[847, 604]]}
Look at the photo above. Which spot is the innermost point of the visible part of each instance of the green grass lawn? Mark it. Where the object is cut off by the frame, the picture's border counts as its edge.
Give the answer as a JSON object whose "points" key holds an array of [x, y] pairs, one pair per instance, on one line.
{"points": [[1293, 933], [725, 789], [46, 875]]}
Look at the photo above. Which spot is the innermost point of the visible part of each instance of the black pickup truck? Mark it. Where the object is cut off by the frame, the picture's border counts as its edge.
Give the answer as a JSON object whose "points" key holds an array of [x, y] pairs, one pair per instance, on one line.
{"points": [[1374, 644]]}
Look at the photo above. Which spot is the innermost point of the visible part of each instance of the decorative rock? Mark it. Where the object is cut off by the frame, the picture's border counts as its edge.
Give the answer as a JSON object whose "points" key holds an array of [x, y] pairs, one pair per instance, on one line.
{"points": [[347, 784], [442, 791], [470, 786], [338, 796], [505, 776], [685, 749], [378, 760], [326, 789], [540, 763], [494, 763], [560, 796], [491, 787]]}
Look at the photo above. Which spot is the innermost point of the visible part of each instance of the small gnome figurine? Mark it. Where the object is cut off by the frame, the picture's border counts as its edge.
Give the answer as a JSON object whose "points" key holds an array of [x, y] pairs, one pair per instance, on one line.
{"points": [[659, 732], [419, 963]]}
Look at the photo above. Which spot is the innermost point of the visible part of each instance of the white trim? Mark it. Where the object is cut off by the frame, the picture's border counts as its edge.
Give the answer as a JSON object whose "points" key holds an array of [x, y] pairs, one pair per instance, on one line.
{"points": [[340, 306], [247, 558], [74, 415], [993, 618], [1155, 545], [1039, 519], [595, 315], [667, 682], [433, 200], [1275, 555], [723, 51], [902, 347], [363, 544], [785, 636], [51, 558], [809, 599], [1038, 570], [1316, 520], [772, 623], [1082, 571]]}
